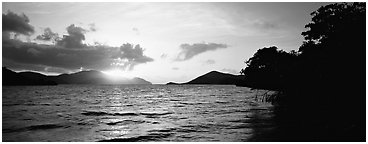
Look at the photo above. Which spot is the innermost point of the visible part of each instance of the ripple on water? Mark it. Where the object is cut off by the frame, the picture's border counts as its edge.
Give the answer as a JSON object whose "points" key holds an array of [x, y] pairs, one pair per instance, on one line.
{"points": [[102, 113], [152, 135], [132, 113], [36, 127], [156, 113], [145, 113], [123, 122]]}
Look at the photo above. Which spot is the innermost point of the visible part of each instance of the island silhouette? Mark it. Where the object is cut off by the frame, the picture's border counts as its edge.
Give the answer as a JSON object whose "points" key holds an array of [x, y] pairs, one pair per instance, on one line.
{"points": [[216, 78], [84, 77], [96, 77]]}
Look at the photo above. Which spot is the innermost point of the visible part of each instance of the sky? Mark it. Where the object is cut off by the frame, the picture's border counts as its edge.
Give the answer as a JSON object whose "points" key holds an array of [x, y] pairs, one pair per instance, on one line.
{"points": [[159, 42]]}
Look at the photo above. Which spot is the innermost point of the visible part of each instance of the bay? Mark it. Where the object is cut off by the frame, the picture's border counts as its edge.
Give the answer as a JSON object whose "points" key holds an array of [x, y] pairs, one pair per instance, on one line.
{"points": [[79, 113]]}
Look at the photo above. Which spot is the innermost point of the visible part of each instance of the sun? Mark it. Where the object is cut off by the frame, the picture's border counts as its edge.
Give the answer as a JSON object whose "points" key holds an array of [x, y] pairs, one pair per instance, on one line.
{"points": [[117, 73]]}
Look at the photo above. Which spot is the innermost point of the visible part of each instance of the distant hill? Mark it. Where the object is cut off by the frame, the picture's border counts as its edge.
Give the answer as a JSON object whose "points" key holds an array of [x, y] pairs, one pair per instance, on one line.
{"points": [[138, 80], [83, 77], [24, 78], [216, 78], [172, 83], [95, 77]]}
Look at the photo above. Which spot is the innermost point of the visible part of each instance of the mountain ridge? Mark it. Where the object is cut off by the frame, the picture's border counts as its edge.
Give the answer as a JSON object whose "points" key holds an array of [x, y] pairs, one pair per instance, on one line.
{"points": [[215, 78], [83, 77]]}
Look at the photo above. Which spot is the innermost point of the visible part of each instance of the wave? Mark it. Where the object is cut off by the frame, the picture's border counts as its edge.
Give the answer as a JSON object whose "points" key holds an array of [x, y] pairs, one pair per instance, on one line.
{"points": [[192, 103], [179, 105], [126, 121], [36, 127], [193, 128], [27, 104], [94, 113], [175, 100], [101, 113], [11, 104], [144, 138], [155, 113], [45, 126], [241, 126], [242, 120], [221, 101]]}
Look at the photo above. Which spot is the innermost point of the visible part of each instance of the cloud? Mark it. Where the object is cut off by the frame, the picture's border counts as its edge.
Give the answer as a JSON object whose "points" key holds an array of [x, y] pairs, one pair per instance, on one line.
{"points": [[53, 56], [175, 68], [209, 62], [265, 24], [233, 71], [74, 39], [56, 57], [69, 54], [19, 24], [33, 51], [136, 30], [163, 56], [92, 27], [47, 35], [130, 56], [189, 51], [35, 67]]}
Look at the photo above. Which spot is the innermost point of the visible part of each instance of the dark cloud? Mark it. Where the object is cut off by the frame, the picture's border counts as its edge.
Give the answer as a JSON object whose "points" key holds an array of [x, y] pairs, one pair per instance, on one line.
{"points": [[74, 39], [53, 56], [48, 35], [130, 55], [189, 51], [19, 24], [209, 62], [233, 71], [16, 52], [69, 54]]}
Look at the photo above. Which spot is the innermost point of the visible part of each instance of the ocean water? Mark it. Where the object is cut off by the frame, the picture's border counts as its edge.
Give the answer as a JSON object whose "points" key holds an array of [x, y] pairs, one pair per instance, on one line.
{"points": [[200, 113]]}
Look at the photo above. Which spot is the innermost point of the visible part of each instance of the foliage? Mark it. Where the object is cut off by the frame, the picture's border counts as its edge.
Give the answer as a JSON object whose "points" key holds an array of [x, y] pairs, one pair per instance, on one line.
{"points": [[269, 67], [326, 78], [331, 20]]}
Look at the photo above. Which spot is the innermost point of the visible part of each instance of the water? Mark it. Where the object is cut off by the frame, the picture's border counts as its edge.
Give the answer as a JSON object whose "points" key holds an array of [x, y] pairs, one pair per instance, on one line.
{"points": [[133, 113]]}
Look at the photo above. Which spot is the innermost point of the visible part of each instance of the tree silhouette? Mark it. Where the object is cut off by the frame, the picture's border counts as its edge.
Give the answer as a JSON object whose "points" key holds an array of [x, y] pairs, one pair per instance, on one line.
{"points": [[323, 85], [269, 68], [333, 55], [329, 22], [333, 52]]}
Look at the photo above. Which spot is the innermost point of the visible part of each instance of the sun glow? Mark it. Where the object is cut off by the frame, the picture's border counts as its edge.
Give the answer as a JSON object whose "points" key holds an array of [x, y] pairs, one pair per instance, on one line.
{"points": [[117, 73]]}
